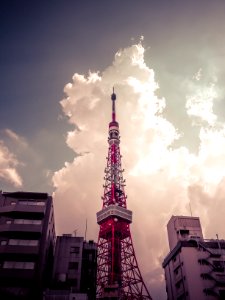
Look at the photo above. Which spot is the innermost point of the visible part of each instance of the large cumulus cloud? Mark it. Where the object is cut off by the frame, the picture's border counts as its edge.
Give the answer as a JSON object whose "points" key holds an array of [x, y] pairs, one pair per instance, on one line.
{"points": [[162, 179]]}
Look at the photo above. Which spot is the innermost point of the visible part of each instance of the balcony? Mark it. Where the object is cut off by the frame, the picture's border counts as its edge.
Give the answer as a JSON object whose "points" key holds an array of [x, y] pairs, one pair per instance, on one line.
{"points": [[23, 277], [220, 279], [18, 208], [114, 211], [9, 249], [178, 277], [20, 228]]}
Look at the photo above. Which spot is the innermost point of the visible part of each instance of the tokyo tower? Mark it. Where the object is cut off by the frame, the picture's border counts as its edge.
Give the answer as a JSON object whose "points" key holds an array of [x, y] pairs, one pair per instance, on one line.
{"points": [[118, 274]]}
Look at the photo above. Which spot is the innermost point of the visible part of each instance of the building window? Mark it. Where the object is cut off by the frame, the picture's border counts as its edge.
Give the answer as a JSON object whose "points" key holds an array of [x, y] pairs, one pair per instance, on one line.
{"points": [[73, 265], [178, 285], [222, 294], [28, 265], [3, 243], [38, 203], [12, 203], [206, 276], [17, 242], [73, 283], [27, 221], [75, 250], [8, 221], [218, 265]]}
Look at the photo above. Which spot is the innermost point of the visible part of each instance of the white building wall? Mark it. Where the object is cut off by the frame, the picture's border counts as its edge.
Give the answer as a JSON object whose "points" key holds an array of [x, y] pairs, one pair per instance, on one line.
{"points": [[192, 273], [183, 276], [183, 228]]}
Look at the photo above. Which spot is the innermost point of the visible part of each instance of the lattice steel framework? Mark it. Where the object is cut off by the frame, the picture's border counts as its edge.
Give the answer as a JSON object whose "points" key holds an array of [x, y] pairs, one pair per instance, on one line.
{"points": [[118, 274]]}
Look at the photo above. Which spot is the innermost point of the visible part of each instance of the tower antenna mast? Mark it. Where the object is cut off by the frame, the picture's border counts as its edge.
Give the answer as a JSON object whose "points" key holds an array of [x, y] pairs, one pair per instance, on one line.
{"points": [[118, 274]]}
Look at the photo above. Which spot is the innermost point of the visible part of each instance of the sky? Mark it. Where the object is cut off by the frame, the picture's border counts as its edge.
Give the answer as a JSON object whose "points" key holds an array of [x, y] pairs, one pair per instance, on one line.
{"points": [[59, 61]]}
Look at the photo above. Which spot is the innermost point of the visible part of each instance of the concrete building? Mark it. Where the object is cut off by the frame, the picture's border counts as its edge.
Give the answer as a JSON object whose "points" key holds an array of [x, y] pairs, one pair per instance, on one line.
{"points": [[27, 239], [194, 268], [75, 266]]}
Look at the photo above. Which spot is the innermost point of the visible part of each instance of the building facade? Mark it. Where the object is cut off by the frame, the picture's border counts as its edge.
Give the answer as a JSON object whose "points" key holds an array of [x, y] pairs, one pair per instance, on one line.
{"points": [[75, 265], [195, 267], [27, 240]]}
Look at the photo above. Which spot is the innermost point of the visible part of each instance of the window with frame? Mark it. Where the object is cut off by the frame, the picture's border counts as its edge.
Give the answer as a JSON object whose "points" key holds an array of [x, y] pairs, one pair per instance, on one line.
{"points": [[222, 294], [75, 250], [36, 203], [27, 221], [19, 242], [218, 265], [73, 283], [73, 265], [28, 265]]}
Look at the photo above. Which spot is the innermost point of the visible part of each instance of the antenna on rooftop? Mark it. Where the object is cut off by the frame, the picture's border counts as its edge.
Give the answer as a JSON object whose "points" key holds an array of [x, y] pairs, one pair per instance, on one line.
{"points": [[85, 230], [190, 208]]}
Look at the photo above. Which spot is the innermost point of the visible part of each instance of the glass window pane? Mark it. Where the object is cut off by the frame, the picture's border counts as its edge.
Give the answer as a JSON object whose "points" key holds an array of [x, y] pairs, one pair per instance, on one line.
{"points": [[19, 265], [74, 249], [37, 222], [33, 242], [28, 202], [13, 242], [73, 265], [8, 264], [18, 221], [23, 242], [29, 265], [27, 222], [22, 202]]}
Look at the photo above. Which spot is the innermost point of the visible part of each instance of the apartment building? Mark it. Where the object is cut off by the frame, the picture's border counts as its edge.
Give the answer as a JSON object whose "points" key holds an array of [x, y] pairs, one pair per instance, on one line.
{"points": [[75, 266], [195, 267], [27, 241]]}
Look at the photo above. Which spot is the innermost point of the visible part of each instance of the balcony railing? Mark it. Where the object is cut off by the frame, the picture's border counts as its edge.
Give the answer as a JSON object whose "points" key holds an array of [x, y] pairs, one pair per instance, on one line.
{"points": [[22, 208]]}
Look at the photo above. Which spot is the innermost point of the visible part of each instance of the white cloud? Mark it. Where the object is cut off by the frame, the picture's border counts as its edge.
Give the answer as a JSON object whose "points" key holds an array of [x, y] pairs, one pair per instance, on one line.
{"points": [[198, 75], [8, 164], [160, 180], [19, 140], [200, 102]]}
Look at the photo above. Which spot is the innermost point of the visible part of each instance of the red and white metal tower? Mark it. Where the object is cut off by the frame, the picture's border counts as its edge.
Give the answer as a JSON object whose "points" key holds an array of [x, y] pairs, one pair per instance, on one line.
{"points": [[118, 274]]}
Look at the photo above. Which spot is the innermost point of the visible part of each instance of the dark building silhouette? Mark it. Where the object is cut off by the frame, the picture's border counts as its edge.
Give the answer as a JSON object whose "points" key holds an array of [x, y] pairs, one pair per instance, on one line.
{"points": [[75, 266], [89, 269], [27, 240]]}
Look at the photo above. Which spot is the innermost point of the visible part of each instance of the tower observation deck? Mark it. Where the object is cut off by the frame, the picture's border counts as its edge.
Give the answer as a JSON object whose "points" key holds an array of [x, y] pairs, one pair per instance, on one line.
{"points": [[118, 274]]}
